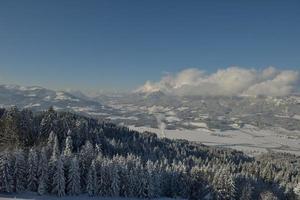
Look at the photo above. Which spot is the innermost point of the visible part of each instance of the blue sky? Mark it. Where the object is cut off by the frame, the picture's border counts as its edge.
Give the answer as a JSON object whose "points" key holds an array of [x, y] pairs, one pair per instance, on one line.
{"points": [[110, 44]]}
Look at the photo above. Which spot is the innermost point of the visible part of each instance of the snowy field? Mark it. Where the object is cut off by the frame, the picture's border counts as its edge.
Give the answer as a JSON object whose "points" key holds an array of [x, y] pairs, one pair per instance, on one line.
{"points": [[32, 196], [249, 139]]}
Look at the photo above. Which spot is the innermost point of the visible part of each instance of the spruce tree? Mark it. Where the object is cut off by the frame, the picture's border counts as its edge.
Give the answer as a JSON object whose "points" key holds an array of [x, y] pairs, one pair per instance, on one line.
{"points": [[59, 183], [20, 171], [86, 156], [68, 145], [150, 187], [197, 184], [55, 150], [246, 192], [6, 172], [297, 190], [32, 170], [43, 173], [73, 182], [232, 187], [115, 181], [92, 180]]}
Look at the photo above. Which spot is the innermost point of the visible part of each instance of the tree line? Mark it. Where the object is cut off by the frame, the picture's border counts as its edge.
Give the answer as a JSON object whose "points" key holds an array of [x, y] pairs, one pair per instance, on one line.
{"points": [[66, 154]]}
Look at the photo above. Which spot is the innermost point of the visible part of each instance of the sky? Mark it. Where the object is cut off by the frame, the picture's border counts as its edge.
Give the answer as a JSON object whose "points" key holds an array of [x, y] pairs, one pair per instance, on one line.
{"points": [[119, 45]]}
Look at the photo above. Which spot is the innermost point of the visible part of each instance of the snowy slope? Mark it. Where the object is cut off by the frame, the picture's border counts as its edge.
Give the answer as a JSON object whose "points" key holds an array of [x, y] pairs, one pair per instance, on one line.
{"points": [[249, 139]]}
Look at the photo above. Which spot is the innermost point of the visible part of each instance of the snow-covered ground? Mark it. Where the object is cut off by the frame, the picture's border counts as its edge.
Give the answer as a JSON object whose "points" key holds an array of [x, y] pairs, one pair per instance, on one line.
{"points": [[249, 139], [32, 196]]}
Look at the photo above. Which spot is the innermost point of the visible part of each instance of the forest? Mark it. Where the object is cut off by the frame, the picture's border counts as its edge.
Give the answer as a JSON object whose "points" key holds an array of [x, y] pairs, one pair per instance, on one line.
{"points": [[62, 153]]}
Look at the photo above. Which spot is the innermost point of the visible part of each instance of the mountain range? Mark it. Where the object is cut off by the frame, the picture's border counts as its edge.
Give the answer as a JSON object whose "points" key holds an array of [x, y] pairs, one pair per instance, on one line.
{"points": [[269, 120]]}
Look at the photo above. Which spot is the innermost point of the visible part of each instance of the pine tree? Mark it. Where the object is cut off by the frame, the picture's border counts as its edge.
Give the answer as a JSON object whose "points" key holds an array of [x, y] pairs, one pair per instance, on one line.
{"points": [[43, 173], [131, 182], [232, 187], [198, 184], [68, 145], [246, 192], [55, 150], [32, 170], [103, 182], [51, 139], [9, 129], [6, 172], [92, 180], [223, 185], [86, 156], [297, 190], [115, 181], [73, 183], [267, 195], [53, 161], [157, 181], [268, 173], [150, 187], [47, 125], [59, 183], [142, 189], [19, 171]]}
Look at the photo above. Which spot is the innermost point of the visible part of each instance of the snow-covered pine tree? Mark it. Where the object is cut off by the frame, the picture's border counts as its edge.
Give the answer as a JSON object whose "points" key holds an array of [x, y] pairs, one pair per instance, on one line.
{"points": [[166, 180], [55, 150], [43, 173], [297, 190], [68, 145], [53, 159], [128, 173], [150, 187], [157, 180], [131, 182], [59, 183], [32, 170], [50, 140], [47, 125], [268, 172], [9, 132], [67, 155], [222, 184], [20, 171], [73, 182], [232, 187], [6, 172], [86, 156], [142, 182], [115, 180], [91, 187], [246, 192], [197, 184], [267, 195], [123, 178], [103, 181], [98, 149]]}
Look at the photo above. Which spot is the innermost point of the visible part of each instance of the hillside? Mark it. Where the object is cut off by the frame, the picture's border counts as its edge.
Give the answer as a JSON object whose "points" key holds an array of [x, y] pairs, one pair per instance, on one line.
{"points": [[61, 153]]}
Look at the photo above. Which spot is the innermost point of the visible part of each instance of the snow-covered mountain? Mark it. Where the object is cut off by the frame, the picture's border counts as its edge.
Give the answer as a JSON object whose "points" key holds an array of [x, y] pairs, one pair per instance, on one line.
{"points": [[221, 112], [252, 121], [224, 113], [38, 98]]}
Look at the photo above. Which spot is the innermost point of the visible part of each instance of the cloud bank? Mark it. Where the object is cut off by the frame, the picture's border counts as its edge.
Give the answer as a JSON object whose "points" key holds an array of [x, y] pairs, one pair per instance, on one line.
{"points": [[233, 81]]}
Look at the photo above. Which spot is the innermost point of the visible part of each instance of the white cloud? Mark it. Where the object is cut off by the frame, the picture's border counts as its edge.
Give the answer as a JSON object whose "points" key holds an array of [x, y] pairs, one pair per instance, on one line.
{"points": [[226, 82]]}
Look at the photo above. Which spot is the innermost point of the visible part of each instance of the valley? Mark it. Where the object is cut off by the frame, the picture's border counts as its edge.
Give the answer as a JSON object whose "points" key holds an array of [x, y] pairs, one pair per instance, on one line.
{"points": [[252, 124]]}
